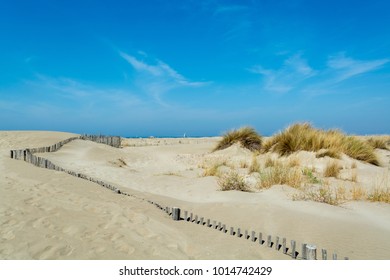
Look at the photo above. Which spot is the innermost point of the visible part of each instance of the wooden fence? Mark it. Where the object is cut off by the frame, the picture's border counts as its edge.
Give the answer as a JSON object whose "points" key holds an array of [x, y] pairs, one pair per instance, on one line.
{"points": [[303, 251]]}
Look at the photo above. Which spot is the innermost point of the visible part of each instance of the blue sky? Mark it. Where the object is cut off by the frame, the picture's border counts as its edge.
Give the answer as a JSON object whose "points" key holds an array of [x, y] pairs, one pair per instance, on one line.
{"points": [[165, 68]]}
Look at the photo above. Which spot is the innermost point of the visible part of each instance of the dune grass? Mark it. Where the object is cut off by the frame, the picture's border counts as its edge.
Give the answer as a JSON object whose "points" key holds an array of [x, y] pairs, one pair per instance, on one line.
{"points": [[379, 142], [332, 169], [303, 137], [246, 136], [255, 166], [232, 181], [380, 195], [328, 153], [280, 174]]}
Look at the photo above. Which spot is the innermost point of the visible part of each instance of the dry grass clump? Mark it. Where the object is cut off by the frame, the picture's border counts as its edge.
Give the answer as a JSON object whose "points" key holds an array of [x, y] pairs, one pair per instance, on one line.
{"points": [[255, 166], [281, 175], [379, 142], [380, 195], [359, 150], [294, 162], [303, 137], [212, 170], [328, 153], [270, 162], [325, 195], [332, 169], [322, 194], [246, 136], [233, 181], [358, 193]]}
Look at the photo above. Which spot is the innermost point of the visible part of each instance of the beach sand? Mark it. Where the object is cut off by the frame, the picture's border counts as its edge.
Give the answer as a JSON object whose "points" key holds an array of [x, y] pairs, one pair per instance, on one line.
{"points": [[46, 214]]}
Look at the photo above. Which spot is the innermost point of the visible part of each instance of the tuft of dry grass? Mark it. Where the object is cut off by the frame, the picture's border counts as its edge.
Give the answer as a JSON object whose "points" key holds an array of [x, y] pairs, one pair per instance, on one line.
{"points": [[281, 175], [233, 181], [380, 195], [243, 164], [359, 150], [303, 137], [212, 170], [270, 162], [332, 169], [358, 193], [333, 153], [246, 136], [323, 194], [294, 162], [255, 166], [353, 165], [379, 142]]}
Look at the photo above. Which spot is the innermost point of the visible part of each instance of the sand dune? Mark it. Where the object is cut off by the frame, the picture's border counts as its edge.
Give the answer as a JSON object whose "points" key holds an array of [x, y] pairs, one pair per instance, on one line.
{"points": [[47, 214]]}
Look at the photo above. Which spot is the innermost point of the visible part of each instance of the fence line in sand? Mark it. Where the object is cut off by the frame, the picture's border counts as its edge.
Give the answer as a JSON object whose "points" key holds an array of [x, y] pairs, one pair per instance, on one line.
{"points": [[306, 251]]}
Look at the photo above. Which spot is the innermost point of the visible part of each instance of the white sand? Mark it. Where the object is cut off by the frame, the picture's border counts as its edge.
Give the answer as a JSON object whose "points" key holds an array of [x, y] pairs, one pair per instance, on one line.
{"points": [[46, 214]]}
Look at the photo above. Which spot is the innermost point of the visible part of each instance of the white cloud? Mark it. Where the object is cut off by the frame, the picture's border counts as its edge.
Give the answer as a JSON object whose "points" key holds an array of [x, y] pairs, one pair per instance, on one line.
{"points": [[83, 93], [158, 78], [294, 71], [346, 67], [159, 69]]}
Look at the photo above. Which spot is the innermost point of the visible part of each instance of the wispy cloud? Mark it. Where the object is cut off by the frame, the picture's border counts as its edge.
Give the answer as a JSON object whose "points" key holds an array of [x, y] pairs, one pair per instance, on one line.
{"points": [[159, 69], [296, 73], [346, 67], [84, 94], [293, 72], [158, 78]]}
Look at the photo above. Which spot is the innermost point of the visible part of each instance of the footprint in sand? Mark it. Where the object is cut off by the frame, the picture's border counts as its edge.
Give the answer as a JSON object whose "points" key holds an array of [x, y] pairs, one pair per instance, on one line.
{"points": [[70, 230], [43, 222], [8, 235], [65, 250]]}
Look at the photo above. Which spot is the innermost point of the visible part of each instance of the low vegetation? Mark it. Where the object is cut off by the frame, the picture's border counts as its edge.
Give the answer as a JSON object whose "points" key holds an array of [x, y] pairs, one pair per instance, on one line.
{"points": [[287, 169], [380, 195], [332, 169], [379, 142], [246, 136], [255, 166], [280, 174], [303, 137], [233, 181]]}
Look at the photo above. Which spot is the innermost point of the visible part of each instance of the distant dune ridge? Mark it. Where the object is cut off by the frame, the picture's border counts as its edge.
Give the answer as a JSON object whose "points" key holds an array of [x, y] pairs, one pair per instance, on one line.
{"points": [[312, 196]]}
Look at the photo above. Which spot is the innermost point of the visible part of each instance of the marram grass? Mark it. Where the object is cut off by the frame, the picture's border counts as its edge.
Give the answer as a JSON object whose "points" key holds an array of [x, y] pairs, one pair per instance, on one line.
{"points": [[246, 136], [303, 137]]}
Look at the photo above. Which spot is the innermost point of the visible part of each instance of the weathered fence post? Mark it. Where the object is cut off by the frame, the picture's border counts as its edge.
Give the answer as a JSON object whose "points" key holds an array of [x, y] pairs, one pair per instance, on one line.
{"points": [[277, 243], [284, 246], [253, 236], [311, 252], [334, 256], [176, 214], [293, 249], [324, 254], [269, 242], [304, 251]]}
